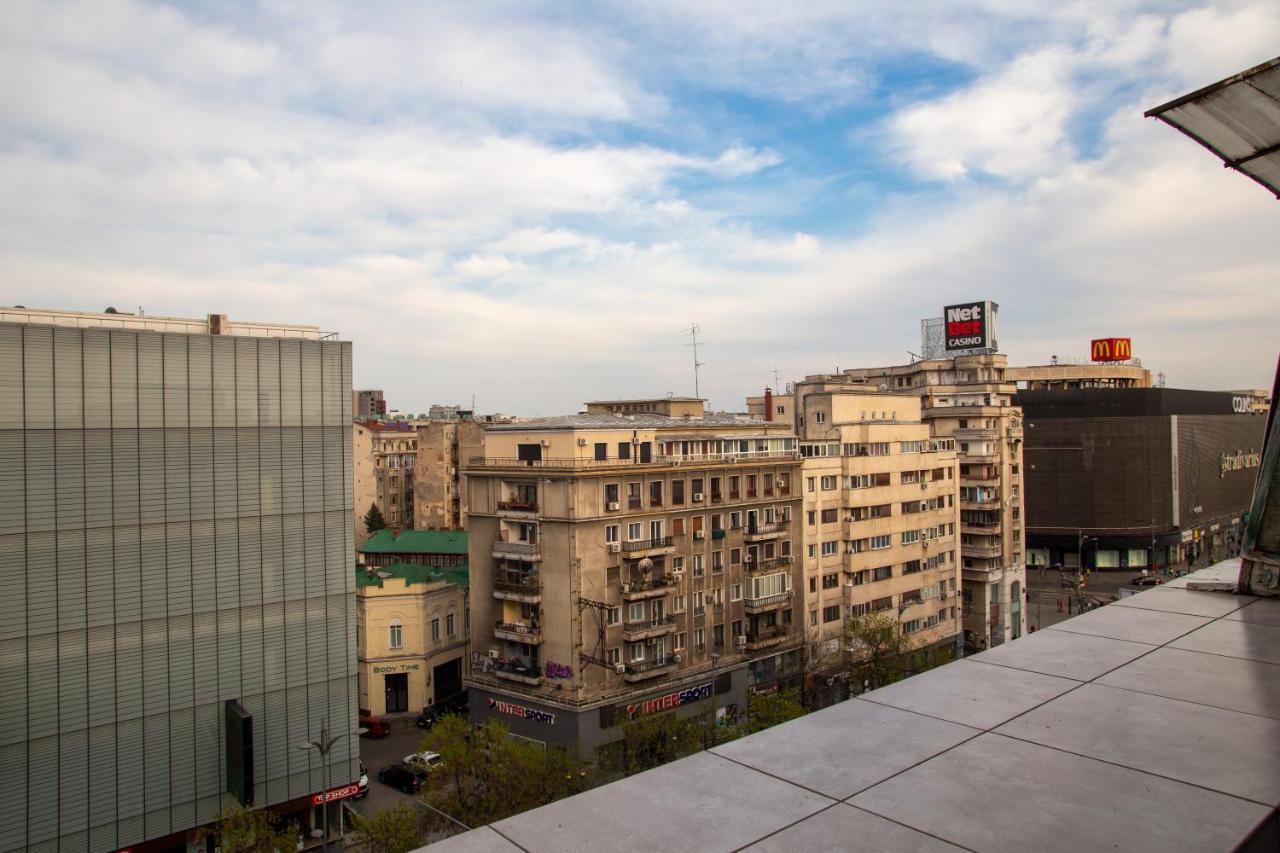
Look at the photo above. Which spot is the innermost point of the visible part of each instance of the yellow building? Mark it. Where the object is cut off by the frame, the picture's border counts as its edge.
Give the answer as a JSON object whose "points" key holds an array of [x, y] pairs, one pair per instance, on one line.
{"points": [[383, 456], [411, 635], [630, 564]]}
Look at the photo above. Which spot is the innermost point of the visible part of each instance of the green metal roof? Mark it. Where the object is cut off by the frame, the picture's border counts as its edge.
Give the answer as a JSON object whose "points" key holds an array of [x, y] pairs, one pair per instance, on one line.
{"points": [[417, 542], [412, 573]]}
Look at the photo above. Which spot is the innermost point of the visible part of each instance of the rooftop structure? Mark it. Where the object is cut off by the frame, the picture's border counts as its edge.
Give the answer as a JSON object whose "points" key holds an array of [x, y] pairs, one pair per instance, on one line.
{"points": [[213, 324], [675, 407], [1062, 376], [1146, 725]]}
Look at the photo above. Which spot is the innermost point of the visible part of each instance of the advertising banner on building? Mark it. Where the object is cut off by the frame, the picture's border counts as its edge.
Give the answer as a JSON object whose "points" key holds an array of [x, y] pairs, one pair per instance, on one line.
{"points": [[970, 326], [1111, 349]]}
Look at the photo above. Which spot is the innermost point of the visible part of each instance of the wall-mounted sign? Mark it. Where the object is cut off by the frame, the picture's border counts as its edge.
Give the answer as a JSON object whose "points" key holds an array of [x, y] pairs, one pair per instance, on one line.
{"points": [[395, 667], [1241, 405], [522, 712], [558, 670], [1238, 461], [1111, 349], [334, 794], [970, 326], [668, 701]]}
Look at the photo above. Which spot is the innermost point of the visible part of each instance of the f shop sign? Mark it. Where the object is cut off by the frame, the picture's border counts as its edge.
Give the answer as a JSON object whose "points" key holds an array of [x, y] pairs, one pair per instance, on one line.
{"points": [[970, 326]]}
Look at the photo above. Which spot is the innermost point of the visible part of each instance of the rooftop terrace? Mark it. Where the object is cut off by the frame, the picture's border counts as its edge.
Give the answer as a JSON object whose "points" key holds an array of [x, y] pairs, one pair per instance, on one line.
{"points": [[1149, 724]]}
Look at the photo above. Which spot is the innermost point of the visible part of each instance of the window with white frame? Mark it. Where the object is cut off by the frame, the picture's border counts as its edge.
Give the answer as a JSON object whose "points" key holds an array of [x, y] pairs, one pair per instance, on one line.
{"points": [[611, 533], [435, 630], [830, 549], [910, 536], [635, 531], [879, 542], [735, 592], [615, 615], [613, 656], [395, 634], [677, 604]]}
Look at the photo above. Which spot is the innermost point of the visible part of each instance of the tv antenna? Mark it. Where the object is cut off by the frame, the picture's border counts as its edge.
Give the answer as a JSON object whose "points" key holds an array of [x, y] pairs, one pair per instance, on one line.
{"points": [[692, 332], [776, 387]]}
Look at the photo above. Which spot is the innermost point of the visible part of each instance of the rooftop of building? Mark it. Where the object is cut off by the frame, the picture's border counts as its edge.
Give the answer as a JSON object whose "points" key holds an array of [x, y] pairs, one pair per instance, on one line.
{"points": [[1144, 725], [212, 324], [668, 399], [386, 426], [417, 542], [1124, 402], [640, 420], [411, 574]]}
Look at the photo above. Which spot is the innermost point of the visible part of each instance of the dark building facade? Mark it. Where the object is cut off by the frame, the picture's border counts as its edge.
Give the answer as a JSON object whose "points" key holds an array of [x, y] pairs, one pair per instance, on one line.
{"points": [[1147, 477]]}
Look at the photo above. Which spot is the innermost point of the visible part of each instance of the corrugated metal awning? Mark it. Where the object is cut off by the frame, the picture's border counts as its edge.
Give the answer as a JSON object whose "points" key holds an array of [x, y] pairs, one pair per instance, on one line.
{"points": [[1238, 119]]}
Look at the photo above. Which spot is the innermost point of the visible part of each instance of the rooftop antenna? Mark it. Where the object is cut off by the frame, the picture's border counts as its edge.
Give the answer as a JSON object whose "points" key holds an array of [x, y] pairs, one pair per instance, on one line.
{"points": [[776, 382], [692, 332]]}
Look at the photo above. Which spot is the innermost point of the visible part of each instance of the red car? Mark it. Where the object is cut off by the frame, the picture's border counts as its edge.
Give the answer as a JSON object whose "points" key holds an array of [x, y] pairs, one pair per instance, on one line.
{"points": [[375, 727]]}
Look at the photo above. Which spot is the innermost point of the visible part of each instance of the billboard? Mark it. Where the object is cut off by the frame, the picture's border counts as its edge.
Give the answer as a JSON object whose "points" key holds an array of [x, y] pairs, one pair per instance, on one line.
{"points": [[1111, 349], [970, 326]]}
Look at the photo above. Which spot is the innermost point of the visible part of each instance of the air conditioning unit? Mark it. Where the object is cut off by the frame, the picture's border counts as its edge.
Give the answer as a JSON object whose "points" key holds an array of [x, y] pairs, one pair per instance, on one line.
{"points": [[675, 658], [747, 558], [582, 442], [619, 668], [699, 534], [614, 547], [742, 641], [626, 588], [545, 443], [613, 506], [697, 497], [493, 653]]}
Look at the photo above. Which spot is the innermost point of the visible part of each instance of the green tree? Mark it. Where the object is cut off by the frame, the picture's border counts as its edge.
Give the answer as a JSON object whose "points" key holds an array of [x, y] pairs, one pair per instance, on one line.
{"points": [[392, 830], [878, 652], [485, 775], [373, 520], [765, 710], [652, 741], [250, 830]]}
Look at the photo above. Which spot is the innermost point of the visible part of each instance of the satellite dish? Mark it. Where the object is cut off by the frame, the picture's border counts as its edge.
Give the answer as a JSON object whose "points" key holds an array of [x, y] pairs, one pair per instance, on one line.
{"points": [[646, 565]]}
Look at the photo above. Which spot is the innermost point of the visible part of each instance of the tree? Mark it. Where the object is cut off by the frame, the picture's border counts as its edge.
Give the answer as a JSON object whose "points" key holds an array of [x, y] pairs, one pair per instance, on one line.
{"points": [[878, 652], [765, 710], [393, 830], [485, 775], [250, 830], [652, 741], [373, 520]]}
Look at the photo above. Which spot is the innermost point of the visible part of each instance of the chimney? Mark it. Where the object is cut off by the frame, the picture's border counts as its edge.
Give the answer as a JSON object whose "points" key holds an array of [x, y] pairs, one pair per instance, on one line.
{"points": [[768, 403]]}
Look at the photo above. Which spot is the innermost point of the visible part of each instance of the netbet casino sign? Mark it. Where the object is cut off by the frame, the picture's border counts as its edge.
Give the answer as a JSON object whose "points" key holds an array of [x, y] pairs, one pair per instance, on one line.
{"points": [[970, 326]]}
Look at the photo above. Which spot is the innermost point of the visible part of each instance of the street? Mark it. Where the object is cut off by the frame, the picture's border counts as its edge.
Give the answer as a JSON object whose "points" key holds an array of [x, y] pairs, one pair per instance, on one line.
{"points": [[1046, 592], [404, 739]]}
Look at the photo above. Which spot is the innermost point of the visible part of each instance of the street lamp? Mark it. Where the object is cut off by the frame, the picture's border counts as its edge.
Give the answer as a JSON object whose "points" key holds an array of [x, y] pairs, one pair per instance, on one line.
{"points": [[324, 745]]}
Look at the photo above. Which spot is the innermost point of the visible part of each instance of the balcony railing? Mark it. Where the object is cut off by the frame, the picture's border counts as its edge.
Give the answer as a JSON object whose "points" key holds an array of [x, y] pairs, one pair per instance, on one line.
{"points": [[975, 433], [518, 670], [641, 669], [766, 636], [648, 544], [768, 602], [632, 631], [575, 463], [517, 506], [518, 632], [519, 549], [773, 564], [772, 528], [980, 551], [648, 587], [519, 584]]}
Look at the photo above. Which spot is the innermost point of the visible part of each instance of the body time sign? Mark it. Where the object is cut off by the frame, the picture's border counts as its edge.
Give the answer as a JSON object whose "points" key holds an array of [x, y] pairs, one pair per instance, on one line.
{"points": [[970, 326]]}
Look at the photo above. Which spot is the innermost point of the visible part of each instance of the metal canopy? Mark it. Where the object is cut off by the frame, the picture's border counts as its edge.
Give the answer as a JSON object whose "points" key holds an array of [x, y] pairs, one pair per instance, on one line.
{"points": [[1237, 119]]}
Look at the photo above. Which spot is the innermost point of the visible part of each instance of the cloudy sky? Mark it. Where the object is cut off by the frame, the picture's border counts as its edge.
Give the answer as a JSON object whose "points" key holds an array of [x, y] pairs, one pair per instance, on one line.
{"points": [[529, 202]]}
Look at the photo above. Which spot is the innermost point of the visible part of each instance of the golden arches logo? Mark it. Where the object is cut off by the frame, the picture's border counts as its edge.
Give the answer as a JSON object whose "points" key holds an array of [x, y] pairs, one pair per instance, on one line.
{"points": [[1111, 349]]}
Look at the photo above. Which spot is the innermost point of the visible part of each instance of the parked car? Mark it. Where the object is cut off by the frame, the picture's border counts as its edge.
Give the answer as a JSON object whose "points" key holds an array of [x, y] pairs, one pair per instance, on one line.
{"points": [[1146, 579], [456, 704], [403, 776], [363, 782], [424, 760], [375, 727]]}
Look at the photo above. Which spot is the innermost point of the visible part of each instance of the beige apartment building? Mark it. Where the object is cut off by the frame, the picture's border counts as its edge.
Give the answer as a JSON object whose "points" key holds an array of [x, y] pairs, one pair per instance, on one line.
{"points": [[439, 500], [970, 399], [623, 565], [1084, 374], [383, 457], [411, 635], [881, 519]]}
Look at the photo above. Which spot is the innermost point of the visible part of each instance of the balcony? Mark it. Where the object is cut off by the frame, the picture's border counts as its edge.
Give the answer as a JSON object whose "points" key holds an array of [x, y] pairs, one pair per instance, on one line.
{"points": [[643, 547], [633, 632], [516, 550], [517, 632], [650, 588], [516, 670], [769, 635], [519, 509], [642, 670], [764, 567], [760, 532], [975, 529], [516, 586], [767, 603], [589, 463], [991, 502], [989, 456], [975, 434], [991, 477], [1015, 432]]}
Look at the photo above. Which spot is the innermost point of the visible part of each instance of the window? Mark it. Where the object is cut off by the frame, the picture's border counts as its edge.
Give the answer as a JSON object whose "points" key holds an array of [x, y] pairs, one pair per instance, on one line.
{"points": [[812, 518], [809, 481], [700, 638], [677, 491], [735, 556], [614, 656], [633, 495], [813, 585], [677, 565], [655, 493], [715, 489], [911, 447], [819, 417], [910, 536], [695, 486], [813, 617], [395, 632], [767, 585], [829, 516], [830, 548], [448, 625], [615, 615], [624, 450], [831, 581], [882, 573], [910, 567], [636, 651], [611, 533], [698, 602], [831, 614], [717, 562], [610, 494], [677, 604], [736, 628], [677, 527], [735, 520], [717, 636], [813, 551], [680, 640], [435, 630], [697, 565], [635, 530], [859, 578], [879, 542], [602, 451], [735, 592], [635, 611], [733, 487], [828, 483]]}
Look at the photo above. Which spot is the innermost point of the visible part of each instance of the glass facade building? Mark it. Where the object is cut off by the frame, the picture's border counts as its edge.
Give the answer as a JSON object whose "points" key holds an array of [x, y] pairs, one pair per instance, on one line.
{"points": [[175, 532]]}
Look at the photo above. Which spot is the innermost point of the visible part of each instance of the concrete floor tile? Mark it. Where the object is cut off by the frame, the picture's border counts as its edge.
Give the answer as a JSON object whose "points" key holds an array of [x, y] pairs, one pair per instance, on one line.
{"points": [[1078, 656], [1264, 610], [843, 827], [1192, 743], [970, 693], [1222, 682], [1250, 640], [1131, 623], [843, 749], [1191, 602], [482, 840], [1055, 802]]}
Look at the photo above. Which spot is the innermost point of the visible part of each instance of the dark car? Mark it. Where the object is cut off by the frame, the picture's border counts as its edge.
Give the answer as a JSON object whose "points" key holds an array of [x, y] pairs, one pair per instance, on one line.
{"points": [[1146, 579], [402, 776], [375, 727], [456, 704]]}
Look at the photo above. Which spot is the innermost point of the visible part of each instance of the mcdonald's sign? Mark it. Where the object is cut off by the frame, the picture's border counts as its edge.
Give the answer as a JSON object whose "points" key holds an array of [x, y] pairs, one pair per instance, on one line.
{"points": [[1111, 349]]}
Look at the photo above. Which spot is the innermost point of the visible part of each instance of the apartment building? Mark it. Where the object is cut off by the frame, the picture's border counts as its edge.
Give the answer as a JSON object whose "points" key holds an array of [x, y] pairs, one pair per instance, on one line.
{"points": [[881, 518], [969, 399], [411, 635], [444, 445], [384, 456], [369, 404], [623, 565], [176, 612]]}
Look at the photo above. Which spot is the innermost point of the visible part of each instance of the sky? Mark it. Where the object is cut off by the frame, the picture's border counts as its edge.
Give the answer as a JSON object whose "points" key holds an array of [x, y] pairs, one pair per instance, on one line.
{"points": [[529, 203]]}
